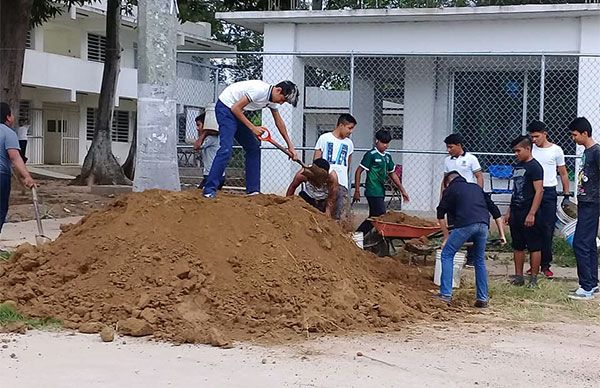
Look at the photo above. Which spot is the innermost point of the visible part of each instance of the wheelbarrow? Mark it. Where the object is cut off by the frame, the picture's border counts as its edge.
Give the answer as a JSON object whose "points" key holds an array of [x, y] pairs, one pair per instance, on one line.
{"points": [[385, 233]]}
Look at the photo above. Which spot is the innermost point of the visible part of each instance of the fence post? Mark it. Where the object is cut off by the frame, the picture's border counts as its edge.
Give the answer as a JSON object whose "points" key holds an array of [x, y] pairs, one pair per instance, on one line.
{"points": [[216, 94], [542, 85], [525, 92], [351, 102]]}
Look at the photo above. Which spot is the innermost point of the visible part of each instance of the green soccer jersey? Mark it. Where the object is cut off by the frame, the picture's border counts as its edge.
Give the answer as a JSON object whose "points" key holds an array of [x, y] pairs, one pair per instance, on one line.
{"points": [[378, 166]]}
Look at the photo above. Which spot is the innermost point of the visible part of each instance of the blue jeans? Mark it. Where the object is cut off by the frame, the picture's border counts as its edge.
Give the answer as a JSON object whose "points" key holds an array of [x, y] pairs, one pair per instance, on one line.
{"points": [[477, 233], [547, 213], [4, 196], [231, 128], [584, 244]]}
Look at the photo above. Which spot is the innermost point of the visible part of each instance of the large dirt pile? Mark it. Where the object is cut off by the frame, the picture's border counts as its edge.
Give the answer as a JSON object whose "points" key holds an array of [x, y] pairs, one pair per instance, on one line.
{"points": [[193, 270]]}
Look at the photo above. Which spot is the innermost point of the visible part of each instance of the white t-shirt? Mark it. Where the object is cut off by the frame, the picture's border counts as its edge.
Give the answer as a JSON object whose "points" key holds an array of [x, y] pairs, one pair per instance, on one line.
{"points": [[336, 152], [466, 165], [258, 93], [550, 158], [22, 132]]}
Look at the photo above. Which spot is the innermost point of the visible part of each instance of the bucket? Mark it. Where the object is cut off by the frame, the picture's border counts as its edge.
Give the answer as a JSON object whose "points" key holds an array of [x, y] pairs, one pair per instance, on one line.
{"points": [[459, 261], [358, 237], [568, 232], [562, 218]]}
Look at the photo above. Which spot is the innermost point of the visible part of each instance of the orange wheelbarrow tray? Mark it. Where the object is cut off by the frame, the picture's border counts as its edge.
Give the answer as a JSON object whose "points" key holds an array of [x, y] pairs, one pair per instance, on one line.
{"points": [[402, 231]]}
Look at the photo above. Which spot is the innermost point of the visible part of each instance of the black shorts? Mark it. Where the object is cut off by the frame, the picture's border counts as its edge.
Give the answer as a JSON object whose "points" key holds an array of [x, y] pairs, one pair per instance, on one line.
{"points": [[523, 237]]}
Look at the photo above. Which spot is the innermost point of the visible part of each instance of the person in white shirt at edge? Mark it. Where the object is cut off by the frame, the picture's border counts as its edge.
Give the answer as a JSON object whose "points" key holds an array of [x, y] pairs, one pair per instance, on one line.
{"points": [[247, 96], [336, 147], [467, 165], [552, 159]]}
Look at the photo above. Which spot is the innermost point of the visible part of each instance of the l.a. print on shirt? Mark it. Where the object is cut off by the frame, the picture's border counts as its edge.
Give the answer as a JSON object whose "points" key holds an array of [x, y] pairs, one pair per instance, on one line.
{"points": [[341, 158]]}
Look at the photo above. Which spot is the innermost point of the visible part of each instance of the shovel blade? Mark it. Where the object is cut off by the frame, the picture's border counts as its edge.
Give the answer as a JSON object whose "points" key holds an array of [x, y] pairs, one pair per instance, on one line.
{"points": [[41, 240]]}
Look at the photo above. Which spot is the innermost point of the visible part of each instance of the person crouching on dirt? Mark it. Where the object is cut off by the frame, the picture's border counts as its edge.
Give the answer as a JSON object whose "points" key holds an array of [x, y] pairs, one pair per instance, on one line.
{"points": [[323, 197], [379, 165], [237, 98], [465, 205]]}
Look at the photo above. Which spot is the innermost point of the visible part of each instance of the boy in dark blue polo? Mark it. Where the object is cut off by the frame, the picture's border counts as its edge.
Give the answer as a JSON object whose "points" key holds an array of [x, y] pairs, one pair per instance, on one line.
{"points": [[588, 210], [465, 204], [523, 217]]}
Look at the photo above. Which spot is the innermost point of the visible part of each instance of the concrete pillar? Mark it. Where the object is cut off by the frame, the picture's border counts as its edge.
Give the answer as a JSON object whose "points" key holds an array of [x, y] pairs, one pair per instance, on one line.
{"points": [[419, 108], [362, 110], [156, 159], [277, 171]]}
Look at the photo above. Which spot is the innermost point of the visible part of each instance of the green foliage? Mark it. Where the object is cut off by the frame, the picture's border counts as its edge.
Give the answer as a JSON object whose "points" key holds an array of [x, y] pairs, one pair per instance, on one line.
{"points": [[4, 255], [8, 314], [44, 10]]}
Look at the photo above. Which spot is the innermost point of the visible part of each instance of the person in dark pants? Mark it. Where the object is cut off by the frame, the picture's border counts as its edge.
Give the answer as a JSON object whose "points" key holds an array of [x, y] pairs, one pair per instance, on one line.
{"points": [[588, 210], [9, 158], [523, 213], [237, 98], [464, 203], [552, 159], [379, 166]]}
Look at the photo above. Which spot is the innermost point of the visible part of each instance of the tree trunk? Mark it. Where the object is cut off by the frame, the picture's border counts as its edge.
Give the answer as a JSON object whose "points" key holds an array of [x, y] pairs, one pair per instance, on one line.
{"points": [[14, 24], [100, 166], [129, 165]]}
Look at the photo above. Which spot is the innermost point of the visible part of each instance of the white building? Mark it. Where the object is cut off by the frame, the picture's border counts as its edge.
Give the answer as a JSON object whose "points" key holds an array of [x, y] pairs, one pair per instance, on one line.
{"points": [[483, 71], [62, 76]]}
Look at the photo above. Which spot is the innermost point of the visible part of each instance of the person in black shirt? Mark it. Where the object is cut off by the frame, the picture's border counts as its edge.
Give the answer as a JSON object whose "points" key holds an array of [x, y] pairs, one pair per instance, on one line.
{"points": [[522, 217], [465, 205], [588, 210]]}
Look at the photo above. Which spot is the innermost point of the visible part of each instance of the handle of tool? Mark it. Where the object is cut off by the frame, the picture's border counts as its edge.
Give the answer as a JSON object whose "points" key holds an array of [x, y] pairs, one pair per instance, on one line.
{"points": [[36, 209], [285, 151]]}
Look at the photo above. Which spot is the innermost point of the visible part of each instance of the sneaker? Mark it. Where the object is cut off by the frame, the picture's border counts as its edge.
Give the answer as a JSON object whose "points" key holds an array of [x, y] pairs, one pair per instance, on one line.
{"points": [[482, 304], [595, 290], [532, 282], [582, 294], [518, 280], [528, 272], [252, 193], [443, 298], [209, 195], [547, 273]]}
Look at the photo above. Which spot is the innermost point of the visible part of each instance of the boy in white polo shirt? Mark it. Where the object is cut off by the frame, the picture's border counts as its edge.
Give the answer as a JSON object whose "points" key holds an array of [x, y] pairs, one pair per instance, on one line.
{"points": [[240, 97], [336, 147], [465, 163], [552, 159]]}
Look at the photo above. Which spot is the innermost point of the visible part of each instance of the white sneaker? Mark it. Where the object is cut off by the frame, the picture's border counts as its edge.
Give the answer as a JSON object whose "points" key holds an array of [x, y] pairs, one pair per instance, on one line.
{"points": [[596, 290], [252, 193], [581, 294]]}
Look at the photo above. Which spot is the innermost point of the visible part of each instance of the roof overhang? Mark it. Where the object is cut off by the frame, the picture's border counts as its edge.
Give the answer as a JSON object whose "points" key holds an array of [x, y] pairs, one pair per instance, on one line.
{"points": [[256, 20]]}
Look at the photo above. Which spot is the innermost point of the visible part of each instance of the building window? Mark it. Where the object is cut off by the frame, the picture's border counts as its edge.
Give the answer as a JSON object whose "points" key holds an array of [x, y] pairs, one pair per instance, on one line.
{"points": [[29, 41], [24, 112], [120, 125], [96, 48], [135, 55]]}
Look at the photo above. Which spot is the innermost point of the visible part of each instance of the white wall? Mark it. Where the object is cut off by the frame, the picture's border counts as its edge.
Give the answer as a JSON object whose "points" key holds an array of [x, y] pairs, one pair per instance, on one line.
{"points": [[518, 35]]}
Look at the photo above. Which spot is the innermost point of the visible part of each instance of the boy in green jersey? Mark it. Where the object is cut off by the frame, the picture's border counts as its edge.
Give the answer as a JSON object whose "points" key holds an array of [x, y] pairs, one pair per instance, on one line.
{"points": [[379, 165]]}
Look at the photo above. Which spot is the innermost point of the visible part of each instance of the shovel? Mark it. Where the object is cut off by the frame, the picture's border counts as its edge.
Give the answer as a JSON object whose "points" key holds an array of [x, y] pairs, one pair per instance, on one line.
{"points": [[313, 173], [40, 238]]}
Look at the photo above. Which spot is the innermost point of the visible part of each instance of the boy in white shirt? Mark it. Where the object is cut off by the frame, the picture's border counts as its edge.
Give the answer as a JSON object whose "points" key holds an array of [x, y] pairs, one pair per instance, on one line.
{"points": [[237, 98], [465, 163], [552, 159], [336, 147]]}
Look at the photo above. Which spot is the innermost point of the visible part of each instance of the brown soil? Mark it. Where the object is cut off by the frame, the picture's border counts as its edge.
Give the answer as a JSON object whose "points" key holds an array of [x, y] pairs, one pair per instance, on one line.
{"points": [[57, 200], [402, 218], [188, 269]]}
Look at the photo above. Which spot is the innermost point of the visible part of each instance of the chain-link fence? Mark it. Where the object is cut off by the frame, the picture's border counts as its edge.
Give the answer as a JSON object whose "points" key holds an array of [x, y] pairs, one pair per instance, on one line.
{"points": [[488, 99]]}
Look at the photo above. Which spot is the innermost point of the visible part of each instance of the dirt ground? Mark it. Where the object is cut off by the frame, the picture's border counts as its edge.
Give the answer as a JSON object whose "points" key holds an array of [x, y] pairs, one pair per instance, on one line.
{"points": [[467, 355], [57, 200]]}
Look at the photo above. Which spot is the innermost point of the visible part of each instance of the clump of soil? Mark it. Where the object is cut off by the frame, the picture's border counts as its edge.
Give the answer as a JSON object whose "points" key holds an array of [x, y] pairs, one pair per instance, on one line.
{"points": [[187, 269], [403, 218]]}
